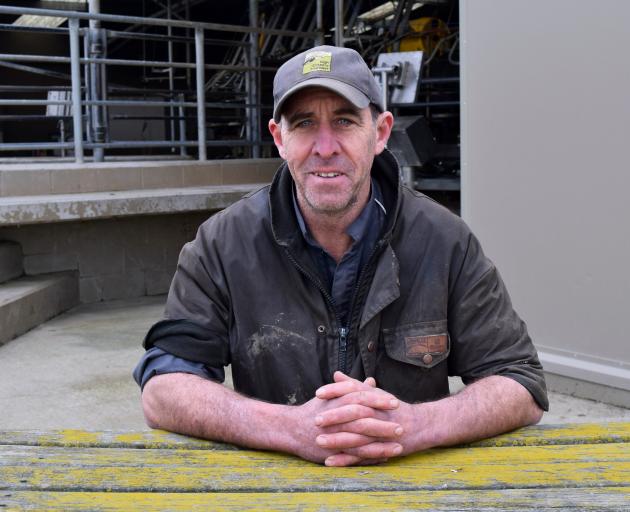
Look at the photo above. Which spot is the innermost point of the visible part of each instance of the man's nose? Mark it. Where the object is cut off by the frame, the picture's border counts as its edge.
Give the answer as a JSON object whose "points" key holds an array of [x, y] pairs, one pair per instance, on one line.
{"points": [[326, 144]]}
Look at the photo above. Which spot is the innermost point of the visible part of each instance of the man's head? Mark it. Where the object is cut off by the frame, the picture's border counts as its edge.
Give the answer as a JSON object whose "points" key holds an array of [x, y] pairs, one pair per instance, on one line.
{"points": [[324, 127]]}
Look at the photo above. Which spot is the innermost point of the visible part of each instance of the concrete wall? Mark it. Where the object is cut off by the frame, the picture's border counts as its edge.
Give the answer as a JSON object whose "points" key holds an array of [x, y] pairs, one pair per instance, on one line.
{"points": [[545, 115], [120, 226], [114, 258]]}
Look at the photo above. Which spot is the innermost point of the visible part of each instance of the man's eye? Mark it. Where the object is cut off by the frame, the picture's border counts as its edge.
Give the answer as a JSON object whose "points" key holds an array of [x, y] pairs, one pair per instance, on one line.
{"points": [[304, 123], [344, 121]]}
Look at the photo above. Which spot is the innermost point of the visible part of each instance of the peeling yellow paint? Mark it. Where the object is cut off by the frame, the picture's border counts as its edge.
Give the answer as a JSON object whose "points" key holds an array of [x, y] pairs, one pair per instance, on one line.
{"points": [[566, 467], [575, 499], [130, 469], [541, 435]]}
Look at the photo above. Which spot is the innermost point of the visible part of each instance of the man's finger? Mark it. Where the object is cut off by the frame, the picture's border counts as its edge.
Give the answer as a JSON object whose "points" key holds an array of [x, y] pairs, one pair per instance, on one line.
{"points": [[359, 393], [377, 450], [343, 414], [374, 451], [345, 459], [343, 441], [370, 381], [339, 376], [340, 388], [372, 427]]}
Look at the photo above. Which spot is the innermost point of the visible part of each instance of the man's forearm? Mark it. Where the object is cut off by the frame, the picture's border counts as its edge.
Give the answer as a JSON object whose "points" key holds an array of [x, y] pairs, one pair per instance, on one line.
{"points": [[188, 404], [488, 407]]}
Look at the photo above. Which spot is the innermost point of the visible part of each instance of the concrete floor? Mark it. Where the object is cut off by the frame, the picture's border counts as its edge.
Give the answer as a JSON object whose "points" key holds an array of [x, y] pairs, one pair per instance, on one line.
{"points": [[75, 372]]}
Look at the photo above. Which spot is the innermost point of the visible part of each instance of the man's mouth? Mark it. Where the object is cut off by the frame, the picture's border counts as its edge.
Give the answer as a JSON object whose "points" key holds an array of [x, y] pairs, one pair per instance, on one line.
{"points": [[327, 174]]}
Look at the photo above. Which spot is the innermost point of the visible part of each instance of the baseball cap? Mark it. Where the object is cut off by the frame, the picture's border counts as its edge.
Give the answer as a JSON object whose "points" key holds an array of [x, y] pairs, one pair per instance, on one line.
{"points": [[341, 70]]}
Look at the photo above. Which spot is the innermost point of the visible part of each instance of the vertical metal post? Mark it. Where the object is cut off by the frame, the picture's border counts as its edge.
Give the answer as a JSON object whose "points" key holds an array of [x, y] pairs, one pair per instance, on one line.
{"points": [[171, 73], [339, 39], [97, 49], [201, 93], [182, 125], [384, 88], [62, 135], [75, 70], [253, 122], [104, 108], [188, 71], [88, 97], [320, 21]]}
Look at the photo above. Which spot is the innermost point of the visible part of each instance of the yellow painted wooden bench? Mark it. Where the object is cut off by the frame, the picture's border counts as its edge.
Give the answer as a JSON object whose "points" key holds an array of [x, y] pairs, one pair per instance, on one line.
{"points": [[561, 467]]}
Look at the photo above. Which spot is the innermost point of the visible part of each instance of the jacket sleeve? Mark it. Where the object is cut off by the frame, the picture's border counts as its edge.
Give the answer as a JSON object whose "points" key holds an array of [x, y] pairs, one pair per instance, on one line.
{"points": [[487, 335], [197, 314]]}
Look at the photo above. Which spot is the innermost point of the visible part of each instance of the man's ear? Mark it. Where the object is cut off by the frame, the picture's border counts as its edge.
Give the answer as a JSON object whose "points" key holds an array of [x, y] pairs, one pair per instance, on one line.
{"points": [[384, 124], [276, 132]]}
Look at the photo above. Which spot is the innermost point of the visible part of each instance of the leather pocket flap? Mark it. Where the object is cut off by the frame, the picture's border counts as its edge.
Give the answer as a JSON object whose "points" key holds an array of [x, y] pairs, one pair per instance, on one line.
{"points": [[423, 344]]}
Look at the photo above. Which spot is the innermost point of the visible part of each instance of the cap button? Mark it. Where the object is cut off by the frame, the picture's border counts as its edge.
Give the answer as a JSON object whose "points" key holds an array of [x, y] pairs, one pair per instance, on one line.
{"points": [[427, 358]]}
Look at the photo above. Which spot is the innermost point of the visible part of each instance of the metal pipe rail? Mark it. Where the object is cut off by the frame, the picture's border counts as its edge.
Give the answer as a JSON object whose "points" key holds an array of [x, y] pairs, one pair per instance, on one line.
{"points": [[220, 27], [131, 144], [75, 32], [131, 103], [128, 62]]}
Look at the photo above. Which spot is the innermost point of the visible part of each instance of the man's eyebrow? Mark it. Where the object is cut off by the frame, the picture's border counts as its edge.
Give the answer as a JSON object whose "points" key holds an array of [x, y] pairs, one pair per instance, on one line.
{"points": [[296, 116], [343, 111], [353, 111]]}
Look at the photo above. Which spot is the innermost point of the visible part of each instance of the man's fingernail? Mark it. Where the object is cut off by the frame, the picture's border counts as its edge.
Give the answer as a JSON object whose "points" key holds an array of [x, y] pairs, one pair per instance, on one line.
{"points": [[329, 461], [398, 450], [398, 431], [393, 402], [318, 420], [321, 440]]}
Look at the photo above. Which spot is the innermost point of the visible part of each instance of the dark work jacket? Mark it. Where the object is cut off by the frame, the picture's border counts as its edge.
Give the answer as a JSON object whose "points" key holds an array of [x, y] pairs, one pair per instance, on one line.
{"points": [[427, 305]]}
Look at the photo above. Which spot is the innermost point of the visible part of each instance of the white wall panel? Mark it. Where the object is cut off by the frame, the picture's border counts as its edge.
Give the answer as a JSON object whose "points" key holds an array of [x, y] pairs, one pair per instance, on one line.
{"points": [[545, 175]]}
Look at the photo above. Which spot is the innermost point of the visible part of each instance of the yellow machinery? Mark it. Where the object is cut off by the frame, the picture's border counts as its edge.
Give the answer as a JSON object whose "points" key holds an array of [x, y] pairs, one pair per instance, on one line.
{"points": [[427, 34]]}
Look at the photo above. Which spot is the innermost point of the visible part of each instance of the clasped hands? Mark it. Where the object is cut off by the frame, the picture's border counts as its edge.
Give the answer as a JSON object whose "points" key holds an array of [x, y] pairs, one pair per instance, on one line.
{"points": [[355, 423]]}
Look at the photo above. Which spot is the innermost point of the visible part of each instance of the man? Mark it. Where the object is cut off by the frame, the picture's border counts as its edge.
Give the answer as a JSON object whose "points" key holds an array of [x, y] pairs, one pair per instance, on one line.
{"points": [[342, 300]]}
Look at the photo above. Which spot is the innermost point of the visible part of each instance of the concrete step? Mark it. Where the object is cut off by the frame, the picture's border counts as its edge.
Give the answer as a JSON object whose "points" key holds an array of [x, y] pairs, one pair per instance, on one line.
{"points": [[23, 210], [10, 261], [28, 301]]}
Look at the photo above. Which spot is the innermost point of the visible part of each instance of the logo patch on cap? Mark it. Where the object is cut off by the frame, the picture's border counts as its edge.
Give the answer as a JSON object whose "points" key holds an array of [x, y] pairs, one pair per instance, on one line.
{"points": [[317, 61]]}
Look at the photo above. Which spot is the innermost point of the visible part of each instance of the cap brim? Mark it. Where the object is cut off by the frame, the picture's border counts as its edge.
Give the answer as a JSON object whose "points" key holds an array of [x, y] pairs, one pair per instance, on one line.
{"points": [[352, 94]]}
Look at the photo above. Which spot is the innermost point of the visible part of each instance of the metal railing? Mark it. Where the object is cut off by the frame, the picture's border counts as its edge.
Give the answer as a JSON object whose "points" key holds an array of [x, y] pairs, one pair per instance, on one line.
{"points": [[88, 101]]}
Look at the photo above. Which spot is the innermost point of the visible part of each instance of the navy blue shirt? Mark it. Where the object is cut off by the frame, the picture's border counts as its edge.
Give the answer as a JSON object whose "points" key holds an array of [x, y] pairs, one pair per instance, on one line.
{"points": [[339, 279]]}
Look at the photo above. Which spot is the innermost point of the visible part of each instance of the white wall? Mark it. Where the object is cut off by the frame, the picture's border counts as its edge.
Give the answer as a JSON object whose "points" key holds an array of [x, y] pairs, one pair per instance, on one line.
{"points": [[545, 175]]}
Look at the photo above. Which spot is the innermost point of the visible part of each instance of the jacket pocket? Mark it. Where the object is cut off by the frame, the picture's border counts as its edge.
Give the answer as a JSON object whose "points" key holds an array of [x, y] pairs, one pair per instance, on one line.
{"points": [[422, 344]]}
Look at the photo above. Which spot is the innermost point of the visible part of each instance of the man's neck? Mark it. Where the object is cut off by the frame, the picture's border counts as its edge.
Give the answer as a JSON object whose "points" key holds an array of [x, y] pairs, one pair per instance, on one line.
{"points": [[330, 230]]}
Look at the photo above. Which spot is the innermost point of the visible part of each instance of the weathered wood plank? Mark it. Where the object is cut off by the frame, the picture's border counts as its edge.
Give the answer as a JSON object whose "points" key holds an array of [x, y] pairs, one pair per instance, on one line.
{"points": [[557, 500], [571, 433], [104, 469], [108, 439], [577, 433]]}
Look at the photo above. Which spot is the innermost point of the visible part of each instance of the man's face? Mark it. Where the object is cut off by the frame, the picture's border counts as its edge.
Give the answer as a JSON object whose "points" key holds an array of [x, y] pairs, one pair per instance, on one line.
{"points": [[329, 146]]}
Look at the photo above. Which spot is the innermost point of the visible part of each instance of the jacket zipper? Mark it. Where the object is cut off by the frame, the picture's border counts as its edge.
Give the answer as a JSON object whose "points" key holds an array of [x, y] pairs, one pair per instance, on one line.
{"points": [[343, 349], [343, 335], [343, 331]]}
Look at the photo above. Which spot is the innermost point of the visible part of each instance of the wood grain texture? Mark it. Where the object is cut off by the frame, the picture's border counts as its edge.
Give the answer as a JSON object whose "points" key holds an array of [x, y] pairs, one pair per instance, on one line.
{"points": [[561, 468], [605, 499], [578, 433], [124, 469]]}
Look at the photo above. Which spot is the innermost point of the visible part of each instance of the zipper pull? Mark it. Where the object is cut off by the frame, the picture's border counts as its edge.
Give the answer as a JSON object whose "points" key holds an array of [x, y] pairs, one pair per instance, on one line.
{"points": [[343, 347]]}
